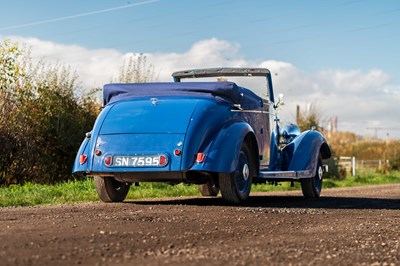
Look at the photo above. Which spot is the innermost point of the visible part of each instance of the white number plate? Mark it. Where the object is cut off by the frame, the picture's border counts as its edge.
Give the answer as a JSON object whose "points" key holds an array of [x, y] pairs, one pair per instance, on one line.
{"points": [[140, 161]]}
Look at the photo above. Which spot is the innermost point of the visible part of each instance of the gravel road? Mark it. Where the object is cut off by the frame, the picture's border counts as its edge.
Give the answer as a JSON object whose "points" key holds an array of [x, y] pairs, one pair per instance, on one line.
{"points": [[349, 226]]}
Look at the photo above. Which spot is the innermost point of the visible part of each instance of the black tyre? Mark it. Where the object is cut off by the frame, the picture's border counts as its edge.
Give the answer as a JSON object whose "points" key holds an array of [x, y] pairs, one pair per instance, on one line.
{"points": [[210, 189], [110, 190], [311, 187], [235, 187]]}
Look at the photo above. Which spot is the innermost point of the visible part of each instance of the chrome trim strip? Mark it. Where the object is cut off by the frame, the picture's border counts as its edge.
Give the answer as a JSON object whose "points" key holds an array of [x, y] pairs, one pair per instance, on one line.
{"points": [[286, 174], [305, 174], [250, 111], [278, 174]]}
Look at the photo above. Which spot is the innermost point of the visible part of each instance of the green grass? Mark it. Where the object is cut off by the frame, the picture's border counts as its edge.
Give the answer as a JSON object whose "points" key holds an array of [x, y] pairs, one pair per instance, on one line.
{"points": [[36, 194], [84, 191], [365, 178]]}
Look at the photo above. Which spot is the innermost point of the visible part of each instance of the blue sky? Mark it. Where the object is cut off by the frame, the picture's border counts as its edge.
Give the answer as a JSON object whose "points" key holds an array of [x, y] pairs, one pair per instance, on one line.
{"points": [[350, 40], [311, 34]]}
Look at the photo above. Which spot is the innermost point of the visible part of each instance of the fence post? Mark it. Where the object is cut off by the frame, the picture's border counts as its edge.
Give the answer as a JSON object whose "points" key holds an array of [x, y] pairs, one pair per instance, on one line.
{"points": [[353, 166]]}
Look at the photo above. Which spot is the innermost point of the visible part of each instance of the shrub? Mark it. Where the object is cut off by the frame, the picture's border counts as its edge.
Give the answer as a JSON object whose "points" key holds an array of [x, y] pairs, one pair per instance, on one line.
{"points": [[42, 120]]}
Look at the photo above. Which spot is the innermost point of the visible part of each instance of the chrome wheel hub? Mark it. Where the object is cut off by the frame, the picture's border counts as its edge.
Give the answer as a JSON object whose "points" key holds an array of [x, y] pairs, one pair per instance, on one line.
{"points": [[320, 172], [246, 172]]}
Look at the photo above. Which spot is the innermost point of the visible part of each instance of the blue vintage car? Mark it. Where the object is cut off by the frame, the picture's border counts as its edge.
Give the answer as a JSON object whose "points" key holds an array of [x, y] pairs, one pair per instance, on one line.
{"points": [[216, 134]]}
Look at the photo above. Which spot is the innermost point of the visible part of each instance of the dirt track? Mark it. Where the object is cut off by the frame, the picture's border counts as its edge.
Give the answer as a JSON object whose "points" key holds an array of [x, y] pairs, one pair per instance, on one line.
{"points": [[346, 227]]}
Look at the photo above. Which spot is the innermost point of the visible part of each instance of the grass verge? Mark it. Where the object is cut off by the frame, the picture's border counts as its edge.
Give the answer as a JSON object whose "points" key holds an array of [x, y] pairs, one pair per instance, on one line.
{"points": [[84, 190]]}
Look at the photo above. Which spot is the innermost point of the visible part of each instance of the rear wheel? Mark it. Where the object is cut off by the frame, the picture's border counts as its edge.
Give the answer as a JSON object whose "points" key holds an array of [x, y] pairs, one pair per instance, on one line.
{"points": [[111, 190], [311, 187], [209, 189], [235, 187]]}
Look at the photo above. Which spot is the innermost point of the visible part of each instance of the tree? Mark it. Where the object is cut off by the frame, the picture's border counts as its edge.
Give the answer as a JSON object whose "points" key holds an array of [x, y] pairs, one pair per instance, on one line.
{"points": [[13, 80], [350, 144], [310, 118], [42, 120], [136, 69]]}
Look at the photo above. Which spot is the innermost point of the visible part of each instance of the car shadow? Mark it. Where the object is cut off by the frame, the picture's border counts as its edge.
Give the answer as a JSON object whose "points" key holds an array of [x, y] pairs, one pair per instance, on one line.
{"points": [[286, 202]]}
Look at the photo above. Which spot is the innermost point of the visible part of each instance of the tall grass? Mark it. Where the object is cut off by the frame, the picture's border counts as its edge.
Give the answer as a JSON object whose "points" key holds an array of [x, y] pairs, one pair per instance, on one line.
{"points": [[84, 191]]}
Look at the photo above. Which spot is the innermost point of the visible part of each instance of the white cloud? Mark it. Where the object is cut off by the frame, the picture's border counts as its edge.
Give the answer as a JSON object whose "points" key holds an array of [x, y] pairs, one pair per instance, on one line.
{"points": [[206, 53], [95, 67], [354, 81], [359, 98]]}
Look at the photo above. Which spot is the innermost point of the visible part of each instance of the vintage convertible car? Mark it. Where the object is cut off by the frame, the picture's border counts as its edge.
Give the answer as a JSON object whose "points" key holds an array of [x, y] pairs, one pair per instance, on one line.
{"points": [[216, 134]]}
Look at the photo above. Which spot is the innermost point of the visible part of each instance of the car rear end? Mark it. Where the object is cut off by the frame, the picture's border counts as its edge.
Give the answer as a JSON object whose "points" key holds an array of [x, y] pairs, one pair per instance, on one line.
{"points": [[143, 139]]}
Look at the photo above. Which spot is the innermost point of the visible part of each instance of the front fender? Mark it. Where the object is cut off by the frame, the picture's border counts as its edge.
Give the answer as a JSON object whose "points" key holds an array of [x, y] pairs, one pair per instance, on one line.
{"points": [[222, 153], [302, 154], [275, 155]]}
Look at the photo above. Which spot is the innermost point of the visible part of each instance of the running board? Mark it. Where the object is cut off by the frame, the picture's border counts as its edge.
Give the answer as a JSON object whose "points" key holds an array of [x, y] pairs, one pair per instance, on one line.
{"points": [[289, 175], [294, 175]]}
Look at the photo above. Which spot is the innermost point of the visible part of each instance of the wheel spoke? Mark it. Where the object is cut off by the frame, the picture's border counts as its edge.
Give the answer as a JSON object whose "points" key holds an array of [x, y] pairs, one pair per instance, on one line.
{"points": [[242, 173]]}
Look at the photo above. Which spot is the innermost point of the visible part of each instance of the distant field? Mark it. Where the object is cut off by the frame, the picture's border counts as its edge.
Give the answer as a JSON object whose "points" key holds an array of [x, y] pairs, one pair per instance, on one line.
{"points": [[84, 190]]}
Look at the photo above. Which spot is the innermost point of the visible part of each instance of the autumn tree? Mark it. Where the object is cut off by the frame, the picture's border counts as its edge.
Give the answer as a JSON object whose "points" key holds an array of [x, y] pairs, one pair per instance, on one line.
{"points": [[350, 144], [310, 118], [42, 120]]}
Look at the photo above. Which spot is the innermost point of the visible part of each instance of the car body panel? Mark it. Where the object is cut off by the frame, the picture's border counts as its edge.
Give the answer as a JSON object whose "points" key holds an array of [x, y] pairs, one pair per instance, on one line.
{"points": [[137, 145], [222, 153], [84, 149], [156, 115], [307, 143]]}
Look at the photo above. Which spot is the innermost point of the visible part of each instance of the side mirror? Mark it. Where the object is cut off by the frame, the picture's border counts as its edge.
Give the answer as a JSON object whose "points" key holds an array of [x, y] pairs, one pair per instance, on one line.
{"points": [[281, 101]]}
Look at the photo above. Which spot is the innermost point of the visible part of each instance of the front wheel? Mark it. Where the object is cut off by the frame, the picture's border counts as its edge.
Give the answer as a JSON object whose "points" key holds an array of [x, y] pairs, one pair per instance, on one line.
{"points": [[235, 187], [110, 190], [312, 187]]}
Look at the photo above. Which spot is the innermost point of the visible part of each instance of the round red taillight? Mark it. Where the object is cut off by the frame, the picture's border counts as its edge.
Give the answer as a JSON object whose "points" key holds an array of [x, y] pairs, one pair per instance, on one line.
{"points": [[108, 160], [97, 152], [163, 160], [177, 152]]}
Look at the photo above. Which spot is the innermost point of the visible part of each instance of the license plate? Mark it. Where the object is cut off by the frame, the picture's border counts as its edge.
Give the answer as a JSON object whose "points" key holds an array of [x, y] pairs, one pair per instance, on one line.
{"points": [[159, 160]]}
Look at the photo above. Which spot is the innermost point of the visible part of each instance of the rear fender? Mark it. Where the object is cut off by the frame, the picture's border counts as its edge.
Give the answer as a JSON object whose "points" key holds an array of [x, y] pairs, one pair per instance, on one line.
{"points": [[302, 154], [87, 146], [222, 154], [84, 149]]}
